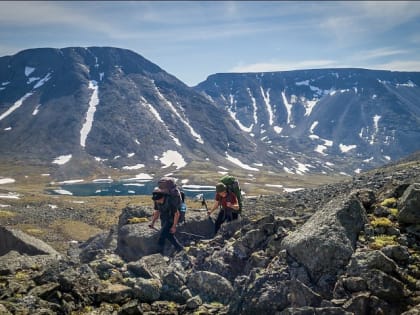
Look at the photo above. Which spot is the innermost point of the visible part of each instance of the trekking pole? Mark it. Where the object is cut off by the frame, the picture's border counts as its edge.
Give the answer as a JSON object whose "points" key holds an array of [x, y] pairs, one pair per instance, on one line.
{"points": [[204, 203], [153, 228], [186, 233], [192, 234]]}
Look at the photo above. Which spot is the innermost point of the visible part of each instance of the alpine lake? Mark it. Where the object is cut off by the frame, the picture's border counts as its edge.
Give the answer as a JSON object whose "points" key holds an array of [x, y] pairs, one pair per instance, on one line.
{"points": [[124, 188]]}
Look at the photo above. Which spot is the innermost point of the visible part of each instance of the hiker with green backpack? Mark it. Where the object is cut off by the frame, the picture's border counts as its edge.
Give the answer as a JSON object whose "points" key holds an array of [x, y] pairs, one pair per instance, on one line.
{"points": [[228, 203]]}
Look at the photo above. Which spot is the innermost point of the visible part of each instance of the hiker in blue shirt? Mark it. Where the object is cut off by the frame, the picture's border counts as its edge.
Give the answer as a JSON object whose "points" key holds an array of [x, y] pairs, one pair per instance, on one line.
{"points": [[169, 216]]}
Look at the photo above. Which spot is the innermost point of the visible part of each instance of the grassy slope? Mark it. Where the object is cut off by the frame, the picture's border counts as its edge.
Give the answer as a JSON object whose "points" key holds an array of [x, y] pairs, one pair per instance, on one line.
{"points": [[59, 219]]}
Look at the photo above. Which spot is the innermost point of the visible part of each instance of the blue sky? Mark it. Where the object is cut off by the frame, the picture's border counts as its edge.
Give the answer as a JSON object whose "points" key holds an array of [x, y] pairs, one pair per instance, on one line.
{"points": [[193, 39]]}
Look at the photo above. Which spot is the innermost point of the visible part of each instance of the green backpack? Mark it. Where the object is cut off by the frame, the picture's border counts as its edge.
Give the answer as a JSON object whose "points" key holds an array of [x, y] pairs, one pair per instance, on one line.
{"points": [[232, 185]]}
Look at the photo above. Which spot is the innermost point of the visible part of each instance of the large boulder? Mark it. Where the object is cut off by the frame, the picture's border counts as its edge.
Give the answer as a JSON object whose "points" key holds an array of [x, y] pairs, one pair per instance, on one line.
{"points": [[266, 293], [361, 262], [13, 261], [325, 243], [15, 240], [96, 245], [136, 239], [210, 286], [409, 205], [375, 272]]}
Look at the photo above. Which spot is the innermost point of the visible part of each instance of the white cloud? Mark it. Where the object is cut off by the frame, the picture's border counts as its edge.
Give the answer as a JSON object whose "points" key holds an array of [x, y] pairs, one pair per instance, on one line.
{"points": [[213, 35], [347, 19], [35, 14], [399, 65], [283, 66], [380, 52]]}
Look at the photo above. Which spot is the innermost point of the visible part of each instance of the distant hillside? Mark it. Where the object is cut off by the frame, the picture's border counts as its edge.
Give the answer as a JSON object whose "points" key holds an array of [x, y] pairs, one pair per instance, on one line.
{"points": [[364, 117], [79, 109]]}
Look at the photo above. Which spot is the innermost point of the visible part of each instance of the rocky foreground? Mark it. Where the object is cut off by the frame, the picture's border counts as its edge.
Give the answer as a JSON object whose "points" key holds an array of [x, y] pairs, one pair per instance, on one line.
{"points": [[349, 248]]}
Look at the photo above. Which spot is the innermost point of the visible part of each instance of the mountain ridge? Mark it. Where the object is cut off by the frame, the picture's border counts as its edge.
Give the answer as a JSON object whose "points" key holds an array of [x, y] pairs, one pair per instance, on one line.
{"points": [[300, 122], [122, 86]]}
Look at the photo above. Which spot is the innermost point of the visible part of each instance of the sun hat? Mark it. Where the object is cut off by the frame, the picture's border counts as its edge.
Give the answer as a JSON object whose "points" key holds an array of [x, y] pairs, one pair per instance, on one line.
{"points": [[220, 187], [157, 194]]}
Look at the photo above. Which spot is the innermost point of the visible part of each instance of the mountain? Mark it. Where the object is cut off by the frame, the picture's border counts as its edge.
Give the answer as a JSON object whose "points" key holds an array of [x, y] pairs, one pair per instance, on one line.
{"points": [[363, 117], [84, 108], [108, 105]]}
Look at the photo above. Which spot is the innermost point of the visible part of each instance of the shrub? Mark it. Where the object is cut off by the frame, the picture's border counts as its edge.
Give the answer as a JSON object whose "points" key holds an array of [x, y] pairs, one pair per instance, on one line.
{"points": [[393, 211], [6, 214], [381, 241], [135, 220], [381, 222], [389, 202]]}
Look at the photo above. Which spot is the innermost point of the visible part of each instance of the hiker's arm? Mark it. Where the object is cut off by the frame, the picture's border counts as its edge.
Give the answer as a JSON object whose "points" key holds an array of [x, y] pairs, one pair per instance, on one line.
{"points": [[233, 205], [216, 204], [155, 217], [176, 218]]}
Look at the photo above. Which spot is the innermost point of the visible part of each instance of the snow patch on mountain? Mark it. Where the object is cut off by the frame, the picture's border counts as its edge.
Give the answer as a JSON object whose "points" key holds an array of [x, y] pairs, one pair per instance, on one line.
{"points": [[254, 106], [195, 134], [288, 108], [43, 80], [238, 122], [172, 157], [237, 162], [133, 167], [376, 119], [155, 113], [266, 98], [28, 71], [15, 106], [6, 180], [94, 101], [62, 159], [408, 84], [346, 148]]}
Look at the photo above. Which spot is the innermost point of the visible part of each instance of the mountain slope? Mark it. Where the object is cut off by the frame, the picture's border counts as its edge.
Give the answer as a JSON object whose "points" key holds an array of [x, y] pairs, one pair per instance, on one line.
{"points": [[366, 117], [80, 109], [107, 103]]}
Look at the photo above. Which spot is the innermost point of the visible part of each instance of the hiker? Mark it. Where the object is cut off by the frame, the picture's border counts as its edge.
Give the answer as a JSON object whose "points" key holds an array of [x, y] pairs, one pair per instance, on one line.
{"points": [[228, 204], [169, 215]]}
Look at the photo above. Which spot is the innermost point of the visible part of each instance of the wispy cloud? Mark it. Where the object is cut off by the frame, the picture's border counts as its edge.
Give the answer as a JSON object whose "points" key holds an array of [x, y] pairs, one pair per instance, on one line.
{"points": [[264, 35], [399, 65], [346, 20], [380, 52], [284, 66]]}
